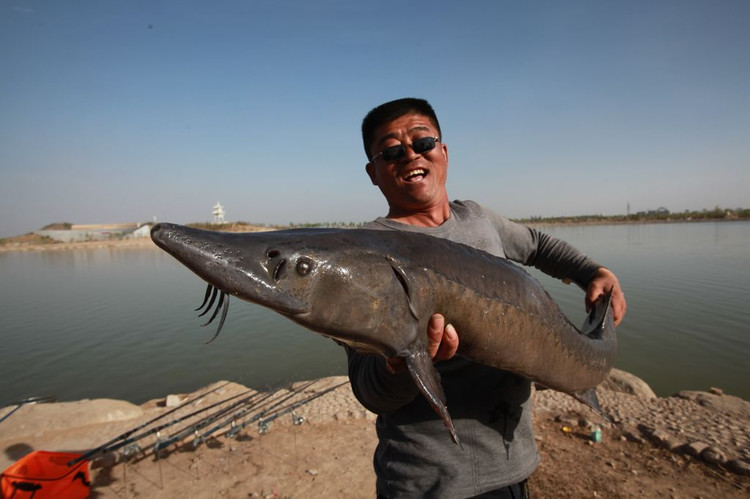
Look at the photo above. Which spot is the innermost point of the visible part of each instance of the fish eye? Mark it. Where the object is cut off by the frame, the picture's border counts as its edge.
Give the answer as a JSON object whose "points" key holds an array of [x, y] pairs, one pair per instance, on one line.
{"points": [[304, 266]]}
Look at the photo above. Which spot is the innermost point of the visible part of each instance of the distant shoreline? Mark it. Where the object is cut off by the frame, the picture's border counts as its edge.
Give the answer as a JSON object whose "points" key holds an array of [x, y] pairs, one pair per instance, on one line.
{"points": [[574, 222], [139, 243], [30, 243]]}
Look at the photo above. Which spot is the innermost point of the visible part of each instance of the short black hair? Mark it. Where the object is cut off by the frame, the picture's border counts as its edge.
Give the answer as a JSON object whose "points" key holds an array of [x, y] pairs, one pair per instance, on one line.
{"points": [[392, 110]]}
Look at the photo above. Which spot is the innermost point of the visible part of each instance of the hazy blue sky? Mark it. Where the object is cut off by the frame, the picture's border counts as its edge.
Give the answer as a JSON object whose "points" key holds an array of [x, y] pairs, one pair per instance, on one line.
{"points": [[119, 111]]}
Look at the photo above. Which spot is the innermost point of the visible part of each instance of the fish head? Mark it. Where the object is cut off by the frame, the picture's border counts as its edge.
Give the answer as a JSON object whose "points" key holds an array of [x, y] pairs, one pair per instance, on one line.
{"points": [[231, 262], [352, 294], [322, 279]]}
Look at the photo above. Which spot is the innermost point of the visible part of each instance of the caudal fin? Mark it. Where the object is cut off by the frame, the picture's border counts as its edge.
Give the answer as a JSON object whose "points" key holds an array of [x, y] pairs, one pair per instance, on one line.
{"points": [[595, 322]]}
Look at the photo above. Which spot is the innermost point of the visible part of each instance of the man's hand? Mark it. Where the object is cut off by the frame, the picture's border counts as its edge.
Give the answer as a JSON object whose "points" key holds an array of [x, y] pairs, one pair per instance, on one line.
{"points": [[442, 343], [603, 281]]}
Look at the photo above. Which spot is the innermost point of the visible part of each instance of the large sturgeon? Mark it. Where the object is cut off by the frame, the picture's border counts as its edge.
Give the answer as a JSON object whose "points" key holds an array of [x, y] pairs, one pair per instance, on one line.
{"points": [[376, 291]]}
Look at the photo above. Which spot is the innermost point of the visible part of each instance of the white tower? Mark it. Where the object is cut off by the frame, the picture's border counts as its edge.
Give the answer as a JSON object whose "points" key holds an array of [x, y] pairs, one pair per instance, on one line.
{"points": [[218, 213]]}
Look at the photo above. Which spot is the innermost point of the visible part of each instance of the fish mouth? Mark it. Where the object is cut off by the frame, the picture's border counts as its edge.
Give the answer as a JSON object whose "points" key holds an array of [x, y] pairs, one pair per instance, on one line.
{"points": [[415, 175], [229, 264]]}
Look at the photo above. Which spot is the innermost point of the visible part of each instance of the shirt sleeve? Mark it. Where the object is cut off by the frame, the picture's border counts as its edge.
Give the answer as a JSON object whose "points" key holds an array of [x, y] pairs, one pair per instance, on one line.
{"points": [[551, 255], [374, 387]]}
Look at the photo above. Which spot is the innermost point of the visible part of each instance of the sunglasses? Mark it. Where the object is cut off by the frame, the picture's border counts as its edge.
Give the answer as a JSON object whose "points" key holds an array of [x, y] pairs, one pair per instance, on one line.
{"points": [[419, 146]]}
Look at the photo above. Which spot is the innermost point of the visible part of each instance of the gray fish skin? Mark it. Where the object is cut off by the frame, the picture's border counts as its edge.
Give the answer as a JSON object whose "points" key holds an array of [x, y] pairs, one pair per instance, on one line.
{"points": [[376, 291]]}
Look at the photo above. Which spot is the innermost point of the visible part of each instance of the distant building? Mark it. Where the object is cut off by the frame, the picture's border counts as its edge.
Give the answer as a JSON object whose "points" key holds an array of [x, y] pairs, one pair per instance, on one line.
{"points": [[219, 214], [142, 231]]}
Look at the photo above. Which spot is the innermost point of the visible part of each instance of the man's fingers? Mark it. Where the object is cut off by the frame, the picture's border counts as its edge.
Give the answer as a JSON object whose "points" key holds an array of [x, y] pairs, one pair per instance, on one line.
{"points": [[442, 344], [605, 280], [619, 306], [435, 334], [443, 340], [449, 345]]}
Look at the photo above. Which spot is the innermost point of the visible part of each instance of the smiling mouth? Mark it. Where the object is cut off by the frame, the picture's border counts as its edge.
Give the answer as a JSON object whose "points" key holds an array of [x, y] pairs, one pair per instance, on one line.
{"points": [[415, 175]]}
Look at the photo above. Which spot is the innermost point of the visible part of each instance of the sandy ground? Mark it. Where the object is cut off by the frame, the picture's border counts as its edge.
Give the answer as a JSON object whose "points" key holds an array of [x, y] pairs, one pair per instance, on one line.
{"points": [[695, 445]]}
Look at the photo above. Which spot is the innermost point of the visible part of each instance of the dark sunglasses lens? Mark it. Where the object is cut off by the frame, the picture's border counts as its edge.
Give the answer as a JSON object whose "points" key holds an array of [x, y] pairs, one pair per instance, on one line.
{"points": [[418, 146], [423, 145], [393, 152]]}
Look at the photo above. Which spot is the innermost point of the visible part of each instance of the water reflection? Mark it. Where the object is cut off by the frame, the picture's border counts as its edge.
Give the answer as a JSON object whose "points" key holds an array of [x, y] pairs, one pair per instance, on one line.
{"points": [[119, 323]]}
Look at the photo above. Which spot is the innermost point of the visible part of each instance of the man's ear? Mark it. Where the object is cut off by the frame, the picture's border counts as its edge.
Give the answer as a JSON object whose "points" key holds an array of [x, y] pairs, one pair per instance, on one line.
{"points": [[370, 169]]}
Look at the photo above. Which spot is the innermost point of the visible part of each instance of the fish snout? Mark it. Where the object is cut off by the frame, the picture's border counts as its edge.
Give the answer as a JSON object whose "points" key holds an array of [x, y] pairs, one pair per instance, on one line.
{"points": [[160, 233]]}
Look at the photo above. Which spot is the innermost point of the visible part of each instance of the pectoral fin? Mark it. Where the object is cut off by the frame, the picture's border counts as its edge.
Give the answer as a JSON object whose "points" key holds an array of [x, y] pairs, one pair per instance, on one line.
{"points": [[406, 283], [427, 379]]}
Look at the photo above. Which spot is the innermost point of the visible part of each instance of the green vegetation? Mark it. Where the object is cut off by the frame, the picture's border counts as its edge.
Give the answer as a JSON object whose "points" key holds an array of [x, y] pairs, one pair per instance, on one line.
{"points": [[660, 215], [339, 225], [233, 226], [245, 226], [58, 226]]}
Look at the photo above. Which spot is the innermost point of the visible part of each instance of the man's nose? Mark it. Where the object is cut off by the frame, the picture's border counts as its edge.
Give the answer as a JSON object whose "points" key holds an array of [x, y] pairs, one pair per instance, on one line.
{"points": [[409, 153]]}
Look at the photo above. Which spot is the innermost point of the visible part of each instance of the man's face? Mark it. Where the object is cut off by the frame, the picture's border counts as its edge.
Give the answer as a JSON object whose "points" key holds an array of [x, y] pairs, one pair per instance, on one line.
{"points": [[414, 181]]}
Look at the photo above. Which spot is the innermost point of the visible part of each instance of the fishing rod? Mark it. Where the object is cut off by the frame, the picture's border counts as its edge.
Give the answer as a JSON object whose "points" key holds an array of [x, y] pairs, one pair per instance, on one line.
{"points": [[160, 444], [193, 428], [159, 428], [123, 439], [241, 414], [43, 399], [263, 425]]}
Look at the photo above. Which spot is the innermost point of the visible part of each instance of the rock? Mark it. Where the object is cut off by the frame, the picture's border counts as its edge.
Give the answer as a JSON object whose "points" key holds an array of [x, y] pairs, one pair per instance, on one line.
{"points": [[633, 435], [665, 439], [695, 448], [716, 391], [173, 401], [728, 404], [739, 466], [39, 418], [713, 455], [624, 382]]}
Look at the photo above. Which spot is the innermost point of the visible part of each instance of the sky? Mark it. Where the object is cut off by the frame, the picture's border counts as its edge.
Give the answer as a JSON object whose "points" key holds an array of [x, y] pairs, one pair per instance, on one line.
{"points": [[117, 111]]}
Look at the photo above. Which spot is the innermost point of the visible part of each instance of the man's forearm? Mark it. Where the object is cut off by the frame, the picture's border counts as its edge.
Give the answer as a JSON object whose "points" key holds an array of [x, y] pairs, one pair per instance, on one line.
{"points": [[377, 389]]}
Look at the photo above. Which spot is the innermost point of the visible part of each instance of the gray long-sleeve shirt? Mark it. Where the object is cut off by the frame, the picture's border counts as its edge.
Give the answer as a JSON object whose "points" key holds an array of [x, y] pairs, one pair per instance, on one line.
{"points": [[490, 408]]}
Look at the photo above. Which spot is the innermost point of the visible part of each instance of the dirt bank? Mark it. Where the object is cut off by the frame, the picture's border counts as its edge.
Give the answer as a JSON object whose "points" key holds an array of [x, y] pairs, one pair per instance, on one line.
{"points": [[694, 445]]}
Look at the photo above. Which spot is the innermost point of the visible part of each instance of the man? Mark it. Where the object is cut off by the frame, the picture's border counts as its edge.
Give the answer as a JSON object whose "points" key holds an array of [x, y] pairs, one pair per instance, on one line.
{"points": [[491, 409]]}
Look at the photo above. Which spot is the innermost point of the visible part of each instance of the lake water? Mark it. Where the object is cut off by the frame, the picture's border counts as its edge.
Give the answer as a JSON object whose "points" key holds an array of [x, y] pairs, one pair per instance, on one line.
{"points": [[119, 322]]}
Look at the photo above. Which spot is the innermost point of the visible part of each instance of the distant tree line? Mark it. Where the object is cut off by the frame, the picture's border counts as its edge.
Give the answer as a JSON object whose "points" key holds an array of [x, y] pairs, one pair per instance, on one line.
{"points": [[58, 226], [243, 226], [313, 225], [660, 215]]}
